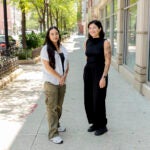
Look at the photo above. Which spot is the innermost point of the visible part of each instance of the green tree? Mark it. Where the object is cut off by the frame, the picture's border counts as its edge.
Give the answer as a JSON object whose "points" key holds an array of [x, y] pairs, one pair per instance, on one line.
{"points": [[40, 7], [23, 5], [63, 13], [79, 9], [32, 21]]}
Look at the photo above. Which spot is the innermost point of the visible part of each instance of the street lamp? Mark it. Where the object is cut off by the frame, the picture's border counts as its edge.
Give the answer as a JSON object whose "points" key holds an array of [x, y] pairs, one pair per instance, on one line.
{"points": [[6, 26]]}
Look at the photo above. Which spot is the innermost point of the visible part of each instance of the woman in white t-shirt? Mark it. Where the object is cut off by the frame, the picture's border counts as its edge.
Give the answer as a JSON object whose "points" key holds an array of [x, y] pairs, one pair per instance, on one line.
{"points": [[55, 70]]}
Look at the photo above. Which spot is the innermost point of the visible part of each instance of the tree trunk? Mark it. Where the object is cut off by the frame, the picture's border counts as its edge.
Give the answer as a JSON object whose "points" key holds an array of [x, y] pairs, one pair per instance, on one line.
{"points": [[50, 15], [57, 15], [47, 17], [44, 25], [40, 22], [23, 23], [65, 27], [61, 22]]}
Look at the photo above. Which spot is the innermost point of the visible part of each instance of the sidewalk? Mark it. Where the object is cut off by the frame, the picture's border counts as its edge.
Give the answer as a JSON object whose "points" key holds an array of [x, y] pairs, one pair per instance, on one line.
{"points": [[128, 112]]}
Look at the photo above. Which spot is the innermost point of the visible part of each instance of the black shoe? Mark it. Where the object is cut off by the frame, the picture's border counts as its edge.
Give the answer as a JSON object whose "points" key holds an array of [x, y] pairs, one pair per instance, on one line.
{"points": [[101, 131], [92, 128]]}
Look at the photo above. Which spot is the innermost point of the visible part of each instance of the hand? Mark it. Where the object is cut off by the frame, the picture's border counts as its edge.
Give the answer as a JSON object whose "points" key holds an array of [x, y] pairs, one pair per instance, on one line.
{"points": [[62, 80], [65, 76], [102, 82]]}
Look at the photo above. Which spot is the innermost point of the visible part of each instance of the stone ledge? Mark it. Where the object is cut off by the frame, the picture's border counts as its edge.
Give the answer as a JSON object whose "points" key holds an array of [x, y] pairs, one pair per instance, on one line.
{"points": [[29, 61], [5, 80], [36, 52]]}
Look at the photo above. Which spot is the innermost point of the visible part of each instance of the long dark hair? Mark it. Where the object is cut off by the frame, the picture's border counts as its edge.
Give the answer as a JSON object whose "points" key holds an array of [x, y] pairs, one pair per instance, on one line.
{"points": [[51, 47], [99, 25]]}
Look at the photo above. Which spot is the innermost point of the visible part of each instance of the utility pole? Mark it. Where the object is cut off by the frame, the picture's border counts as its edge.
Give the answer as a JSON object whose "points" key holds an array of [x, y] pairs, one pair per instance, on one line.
{"points": [[6, 26]]}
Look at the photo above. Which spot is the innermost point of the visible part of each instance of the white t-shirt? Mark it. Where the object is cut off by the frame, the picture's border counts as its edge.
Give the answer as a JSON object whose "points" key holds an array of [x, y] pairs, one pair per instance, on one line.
{"points": [[58, 64]]}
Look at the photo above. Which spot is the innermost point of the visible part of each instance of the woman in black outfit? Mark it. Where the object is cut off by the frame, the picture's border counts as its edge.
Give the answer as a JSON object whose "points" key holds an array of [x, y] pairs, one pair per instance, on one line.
{"points": [[98, 52]]}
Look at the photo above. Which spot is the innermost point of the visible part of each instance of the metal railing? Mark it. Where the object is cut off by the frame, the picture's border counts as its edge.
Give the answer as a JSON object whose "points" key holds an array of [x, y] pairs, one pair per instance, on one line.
{"points": [[8, 62]]}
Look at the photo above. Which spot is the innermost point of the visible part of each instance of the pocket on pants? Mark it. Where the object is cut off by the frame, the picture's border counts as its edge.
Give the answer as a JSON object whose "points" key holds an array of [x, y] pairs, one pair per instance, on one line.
{"points": [[50, 98], [50, 93]]}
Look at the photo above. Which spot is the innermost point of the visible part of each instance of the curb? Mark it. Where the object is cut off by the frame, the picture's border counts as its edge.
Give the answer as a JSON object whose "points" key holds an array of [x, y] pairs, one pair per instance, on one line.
{"points": [[30, 61], [10, 77]]}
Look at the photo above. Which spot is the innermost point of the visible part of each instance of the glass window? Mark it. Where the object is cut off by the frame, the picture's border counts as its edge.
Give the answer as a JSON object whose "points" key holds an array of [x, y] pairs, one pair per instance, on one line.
{"points": [[102, 13], [130, 35], [107, 33], [114, 42], [108, 10], [149, 64], [114, 36], [115, 6], [130, 2], [107, 28], [149, 54], [102, 17]]}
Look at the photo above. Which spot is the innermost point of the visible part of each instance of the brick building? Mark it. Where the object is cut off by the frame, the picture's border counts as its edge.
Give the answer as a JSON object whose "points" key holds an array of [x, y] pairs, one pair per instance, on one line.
{"points": [[13, 19]]}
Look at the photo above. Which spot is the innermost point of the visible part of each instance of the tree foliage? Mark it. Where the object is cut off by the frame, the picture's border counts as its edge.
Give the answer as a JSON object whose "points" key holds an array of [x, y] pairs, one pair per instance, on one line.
{"points": [[40, 7], [79, 9], [62, 13], [24, 6]]}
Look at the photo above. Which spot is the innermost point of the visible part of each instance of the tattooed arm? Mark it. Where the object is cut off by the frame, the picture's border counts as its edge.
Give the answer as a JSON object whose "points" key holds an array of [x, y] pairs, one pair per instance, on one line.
{"points": [[107, 55]]}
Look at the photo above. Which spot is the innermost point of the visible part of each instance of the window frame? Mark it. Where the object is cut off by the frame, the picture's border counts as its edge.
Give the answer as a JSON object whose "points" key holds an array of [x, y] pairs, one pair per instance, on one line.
{"points": [[114, 14], [148, 63], [125, 36]]}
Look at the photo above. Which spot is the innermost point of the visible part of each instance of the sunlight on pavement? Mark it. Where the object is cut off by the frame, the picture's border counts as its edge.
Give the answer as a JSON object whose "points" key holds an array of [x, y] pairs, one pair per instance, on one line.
{"points": [[73, 44], [19, 96], [18, 100], [8, 132], [31, 75]]}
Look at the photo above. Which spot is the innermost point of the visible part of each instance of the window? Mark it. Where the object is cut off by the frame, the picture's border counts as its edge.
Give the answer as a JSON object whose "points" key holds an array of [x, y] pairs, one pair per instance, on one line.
{"points": [[102, 17], [109, 21], [149, 53], [107, 29], [114, 31], [130, 15]]}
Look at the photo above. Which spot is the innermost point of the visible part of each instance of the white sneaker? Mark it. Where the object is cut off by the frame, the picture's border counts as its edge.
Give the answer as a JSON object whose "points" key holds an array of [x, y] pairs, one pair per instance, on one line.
{"points": [[61, 129], [57, 140]]}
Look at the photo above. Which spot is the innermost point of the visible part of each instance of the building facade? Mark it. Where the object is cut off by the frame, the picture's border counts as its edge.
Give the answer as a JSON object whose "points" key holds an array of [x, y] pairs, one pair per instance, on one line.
{"points": [[13, 20], [127, 26]]}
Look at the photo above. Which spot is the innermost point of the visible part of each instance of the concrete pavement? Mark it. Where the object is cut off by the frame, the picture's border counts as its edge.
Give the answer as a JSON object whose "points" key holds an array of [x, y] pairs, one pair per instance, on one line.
{"points": [[17, 101], [128, 112]]}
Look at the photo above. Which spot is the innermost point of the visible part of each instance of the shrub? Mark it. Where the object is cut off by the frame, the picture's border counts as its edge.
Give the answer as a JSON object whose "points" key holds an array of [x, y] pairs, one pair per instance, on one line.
{"points": [[24, 54], [32, 40], [21, 56]]}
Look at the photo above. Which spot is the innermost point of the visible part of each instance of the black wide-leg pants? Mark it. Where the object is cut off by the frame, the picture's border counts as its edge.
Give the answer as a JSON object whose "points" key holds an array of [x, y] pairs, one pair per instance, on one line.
{"points": [[94, 96]]}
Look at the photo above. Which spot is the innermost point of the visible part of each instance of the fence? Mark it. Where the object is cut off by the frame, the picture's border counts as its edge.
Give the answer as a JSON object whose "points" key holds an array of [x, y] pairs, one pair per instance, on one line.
{"points": [[8, 63]]}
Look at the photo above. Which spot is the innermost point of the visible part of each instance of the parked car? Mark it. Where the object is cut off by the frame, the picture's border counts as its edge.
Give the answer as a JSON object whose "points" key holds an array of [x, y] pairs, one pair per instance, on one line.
{"points": [[12, 43], [11, 40]]}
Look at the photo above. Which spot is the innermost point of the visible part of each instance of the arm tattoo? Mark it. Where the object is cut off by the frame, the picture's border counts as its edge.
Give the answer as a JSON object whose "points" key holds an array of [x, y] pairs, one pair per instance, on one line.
{"points": [[107, 54]]}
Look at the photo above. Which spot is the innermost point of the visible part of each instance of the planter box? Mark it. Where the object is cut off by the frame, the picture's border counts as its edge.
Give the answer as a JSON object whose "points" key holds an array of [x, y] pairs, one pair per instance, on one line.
{"points": [[29, 61]]}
